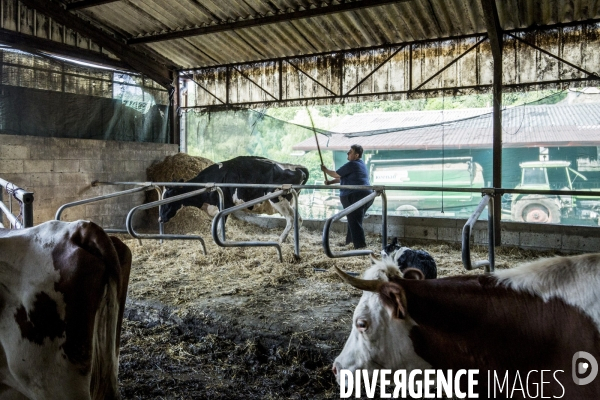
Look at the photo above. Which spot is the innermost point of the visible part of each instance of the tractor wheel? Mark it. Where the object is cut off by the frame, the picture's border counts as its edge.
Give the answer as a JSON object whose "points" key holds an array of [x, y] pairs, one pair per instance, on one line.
{"points": [[536, 209]]}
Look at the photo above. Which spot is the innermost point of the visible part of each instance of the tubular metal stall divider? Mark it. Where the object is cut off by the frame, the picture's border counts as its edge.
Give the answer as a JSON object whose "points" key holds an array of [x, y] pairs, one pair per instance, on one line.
{"points": [[25, 199], [129, 222], [487, 200], [148, 186], [211, 186], [326, 229], [217, 220]]}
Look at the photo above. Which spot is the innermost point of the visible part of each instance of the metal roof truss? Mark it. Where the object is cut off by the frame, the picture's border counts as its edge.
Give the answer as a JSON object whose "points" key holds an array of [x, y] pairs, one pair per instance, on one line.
{"points": [[555, 57]]}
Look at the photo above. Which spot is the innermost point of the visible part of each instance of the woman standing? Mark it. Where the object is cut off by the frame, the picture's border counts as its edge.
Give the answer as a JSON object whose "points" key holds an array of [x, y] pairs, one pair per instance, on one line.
{"points": [[354, 172]]}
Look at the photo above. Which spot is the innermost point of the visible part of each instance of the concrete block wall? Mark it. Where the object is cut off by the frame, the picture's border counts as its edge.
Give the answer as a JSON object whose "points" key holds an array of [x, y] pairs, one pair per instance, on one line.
{"points": [[59, 171], [565, 238]]}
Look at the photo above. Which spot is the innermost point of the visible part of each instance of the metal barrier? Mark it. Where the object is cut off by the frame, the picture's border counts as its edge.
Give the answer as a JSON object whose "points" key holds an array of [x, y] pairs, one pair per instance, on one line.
{"points": [[25, 200], [326, 229], [132, 232], [223, 243], [487, 200], [147, 186], [209, 186]]}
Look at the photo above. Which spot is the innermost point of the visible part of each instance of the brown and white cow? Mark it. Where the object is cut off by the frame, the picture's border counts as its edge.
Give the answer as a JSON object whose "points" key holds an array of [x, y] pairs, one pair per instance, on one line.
{"points": [[534, 317], [62, 295]]}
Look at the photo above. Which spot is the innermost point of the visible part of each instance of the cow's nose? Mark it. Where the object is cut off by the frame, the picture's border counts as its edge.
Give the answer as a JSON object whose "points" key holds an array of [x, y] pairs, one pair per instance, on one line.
{"points": [[335, 368]]}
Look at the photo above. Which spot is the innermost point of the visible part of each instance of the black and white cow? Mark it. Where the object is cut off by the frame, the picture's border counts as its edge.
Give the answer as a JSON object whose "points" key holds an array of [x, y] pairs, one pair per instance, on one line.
{"points": [[246, 170], [406, 257]]}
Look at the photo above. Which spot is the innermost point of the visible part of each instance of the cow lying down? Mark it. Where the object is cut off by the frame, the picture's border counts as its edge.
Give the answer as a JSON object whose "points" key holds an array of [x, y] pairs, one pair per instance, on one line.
{"points": [[405, 257], [535, 317], [62, 295], [245, 170]]}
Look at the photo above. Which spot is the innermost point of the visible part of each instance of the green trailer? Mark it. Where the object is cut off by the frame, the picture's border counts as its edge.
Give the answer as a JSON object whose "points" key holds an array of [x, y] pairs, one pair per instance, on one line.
{"points": [[451, 172]]}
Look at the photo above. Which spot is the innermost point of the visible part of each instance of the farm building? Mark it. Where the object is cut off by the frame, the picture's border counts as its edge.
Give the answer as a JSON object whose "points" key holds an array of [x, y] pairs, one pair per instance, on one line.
{"points": [[98, 99]]}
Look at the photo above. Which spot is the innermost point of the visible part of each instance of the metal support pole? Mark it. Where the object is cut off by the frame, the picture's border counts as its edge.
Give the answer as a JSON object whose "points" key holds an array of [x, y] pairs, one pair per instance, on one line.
{"points": [[487, 200], [296, 225], [384, 212]]}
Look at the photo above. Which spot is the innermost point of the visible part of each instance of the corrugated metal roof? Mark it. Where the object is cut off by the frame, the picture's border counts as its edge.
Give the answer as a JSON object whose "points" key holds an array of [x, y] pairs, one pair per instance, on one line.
{"points": [[374, 26], [523, 126]]}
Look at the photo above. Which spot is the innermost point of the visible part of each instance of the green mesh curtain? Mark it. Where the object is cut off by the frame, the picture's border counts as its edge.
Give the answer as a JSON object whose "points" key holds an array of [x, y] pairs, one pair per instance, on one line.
{"points": [[42, 96]]}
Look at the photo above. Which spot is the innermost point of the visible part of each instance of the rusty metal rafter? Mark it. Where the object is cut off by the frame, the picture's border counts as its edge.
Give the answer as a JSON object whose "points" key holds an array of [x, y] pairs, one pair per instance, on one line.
{"points": [[204, 89], [319, 9], [399, 49], [334, 70], [450, 63], [309, 77], [77, 5], [562, 60], [256, 84]]}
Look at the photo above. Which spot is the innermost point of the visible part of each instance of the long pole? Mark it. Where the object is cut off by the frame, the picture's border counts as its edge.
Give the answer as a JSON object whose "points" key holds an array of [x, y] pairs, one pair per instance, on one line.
{"points": [[316, 140]]}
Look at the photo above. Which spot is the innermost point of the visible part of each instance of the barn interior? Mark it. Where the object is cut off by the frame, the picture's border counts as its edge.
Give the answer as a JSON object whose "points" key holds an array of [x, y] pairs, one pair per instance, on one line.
{"points": [[112, 90]]}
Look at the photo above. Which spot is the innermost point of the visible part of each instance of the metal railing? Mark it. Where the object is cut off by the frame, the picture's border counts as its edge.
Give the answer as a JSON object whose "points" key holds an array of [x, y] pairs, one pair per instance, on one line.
{"points": [[25, 200], [486, 201], [223, 243], [378, 190], [158, 203], [327, 227], [146, 186]]}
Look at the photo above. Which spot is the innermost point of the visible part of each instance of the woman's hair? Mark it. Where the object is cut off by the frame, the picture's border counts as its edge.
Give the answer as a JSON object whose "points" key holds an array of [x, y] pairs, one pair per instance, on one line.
{"points": [[357, 149]]}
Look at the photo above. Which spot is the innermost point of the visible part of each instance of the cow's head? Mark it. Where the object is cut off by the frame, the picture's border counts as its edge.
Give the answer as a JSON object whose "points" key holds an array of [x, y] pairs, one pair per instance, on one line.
{"points": [[168, 211], [381, 324], [391, 248]]}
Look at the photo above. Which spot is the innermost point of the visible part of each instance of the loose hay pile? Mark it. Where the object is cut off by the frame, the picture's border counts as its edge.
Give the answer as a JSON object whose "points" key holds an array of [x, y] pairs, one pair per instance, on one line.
{"points": [[177, 167], [237, 323]]}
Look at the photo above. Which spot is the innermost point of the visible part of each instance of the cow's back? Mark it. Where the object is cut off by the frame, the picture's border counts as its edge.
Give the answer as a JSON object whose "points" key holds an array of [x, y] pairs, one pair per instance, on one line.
{"points": [[62, 293], [251, 169]]}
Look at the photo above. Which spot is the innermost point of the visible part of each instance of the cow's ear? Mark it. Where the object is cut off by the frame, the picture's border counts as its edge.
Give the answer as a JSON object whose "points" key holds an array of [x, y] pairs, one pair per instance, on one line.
{"points": [[394, 298], [373, 259], [413, 273]]}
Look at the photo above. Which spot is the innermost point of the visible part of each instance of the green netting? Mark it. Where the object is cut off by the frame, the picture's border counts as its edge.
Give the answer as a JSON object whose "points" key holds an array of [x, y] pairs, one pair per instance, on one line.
{"points": [[54, 98], [439, 142]]}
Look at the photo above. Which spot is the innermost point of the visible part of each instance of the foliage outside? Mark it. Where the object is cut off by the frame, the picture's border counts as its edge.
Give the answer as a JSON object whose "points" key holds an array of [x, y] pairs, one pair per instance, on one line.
{"points": [[272, 133]]}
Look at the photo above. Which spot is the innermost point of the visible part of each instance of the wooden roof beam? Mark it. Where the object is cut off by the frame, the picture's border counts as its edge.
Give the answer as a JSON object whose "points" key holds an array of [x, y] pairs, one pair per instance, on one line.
{"points": [[77, 5], [271, 19], [135, 59]]}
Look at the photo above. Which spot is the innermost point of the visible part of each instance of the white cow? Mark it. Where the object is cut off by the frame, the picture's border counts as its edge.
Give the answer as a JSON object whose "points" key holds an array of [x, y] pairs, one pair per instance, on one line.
{"points": [[62, 295], [534, 317]]}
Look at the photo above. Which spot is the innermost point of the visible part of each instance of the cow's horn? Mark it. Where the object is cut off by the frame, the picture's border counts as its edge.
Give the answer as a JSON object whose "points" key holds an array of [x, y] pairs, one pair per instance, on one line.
{"points": [[362, 284]]}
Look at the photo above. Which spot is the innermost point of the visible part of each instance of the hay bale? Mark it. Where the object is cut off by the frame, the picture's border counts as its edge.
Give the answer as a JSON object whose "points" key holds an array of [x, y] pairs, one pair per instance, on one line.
{"points": [[177, 167], [172, 169]]}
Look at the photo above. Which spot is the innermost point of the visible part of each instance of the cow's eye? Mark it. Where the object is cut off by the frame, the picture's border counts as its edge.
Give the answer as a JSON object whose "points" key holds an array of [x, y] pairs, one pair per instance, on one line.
{"points": [[362, 325]]}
